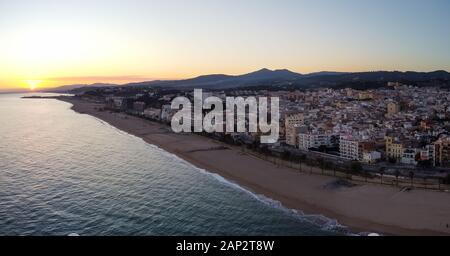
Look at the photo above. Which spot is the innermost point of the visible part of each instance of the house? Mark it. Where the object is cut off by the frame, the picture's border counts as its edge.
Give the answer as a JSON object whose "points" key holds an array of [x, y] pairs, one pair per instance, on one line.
{"points": [[152, 113], [409, 156], [371, 157], [166, 113]]}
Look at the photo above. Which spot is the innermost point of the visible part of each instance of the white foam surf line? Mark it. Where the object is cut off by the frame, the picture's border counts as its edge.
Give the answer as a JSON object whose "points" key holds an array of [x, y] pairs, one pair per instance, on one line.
{"points": [[321, 221], [318, 220]]}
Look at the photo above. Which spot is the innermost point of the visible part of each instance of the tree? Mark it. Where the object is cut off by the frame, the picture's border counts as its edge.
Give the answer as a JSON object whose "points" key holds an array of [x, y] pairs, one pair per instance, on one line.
{"points": [[322, 148], [300, 160], [392, 160], [417, 157], [397, 173], [328, 165], [285, 155], [381, 171], [265, 150], [446, 179], [321, 163], [356, 167], [299, 164], [425, 164], [411, 176]]}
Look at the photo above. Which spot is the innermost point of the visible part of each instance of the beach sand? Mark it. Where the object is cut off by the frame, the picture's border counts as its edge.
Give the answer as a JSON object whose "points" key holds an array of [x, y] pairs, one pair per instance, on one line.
{"points": [[368, 207]]}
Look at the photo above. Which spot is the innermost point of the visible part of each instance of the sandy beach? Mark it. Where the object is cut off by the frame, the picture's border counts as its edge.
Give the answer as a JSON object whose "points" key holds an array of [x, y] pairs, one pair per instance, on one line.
{"points": [[368, 208]]}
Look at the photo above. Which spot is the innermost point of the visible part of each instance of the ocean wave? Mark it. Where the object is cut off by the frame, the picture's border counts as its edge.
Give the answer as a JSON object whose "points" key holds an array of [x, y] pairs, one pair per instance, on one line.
{"points": [[322, 222]]}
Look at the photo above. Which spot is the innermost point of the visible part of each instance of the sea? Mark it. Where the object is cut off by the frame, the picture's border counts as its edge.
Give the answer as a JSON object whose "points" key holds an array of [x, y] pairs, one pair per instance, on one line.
{"points": [[65, 173]]}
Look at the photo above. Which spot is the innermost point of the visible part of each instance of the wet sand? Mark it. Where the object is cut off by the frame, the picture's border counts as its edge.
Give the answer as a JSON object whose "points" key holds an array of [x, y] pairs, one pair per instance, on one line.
{"points": [[368, 207]]}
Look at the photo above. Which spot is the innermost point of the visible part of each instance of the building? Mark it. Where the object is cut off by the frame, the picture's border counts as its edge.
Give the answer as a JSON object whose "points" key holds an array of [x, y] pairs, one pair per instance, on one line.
{"points": [[348, 92], [393, 108], [394, 148], [292, 122], [393, 84], [167, 113], [118, 103], [409, 156], [350, 148], [371, 157], [428, 154], [139, 106], [442, 147], [365, 95], [310, 140], [152, 113]]}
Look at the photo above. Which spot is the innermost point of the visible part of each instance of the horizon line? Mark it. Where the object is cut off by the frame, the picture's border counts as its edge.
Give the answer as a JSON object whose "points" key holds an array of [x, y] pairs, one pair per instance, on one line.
{"points": [[142, 79]]}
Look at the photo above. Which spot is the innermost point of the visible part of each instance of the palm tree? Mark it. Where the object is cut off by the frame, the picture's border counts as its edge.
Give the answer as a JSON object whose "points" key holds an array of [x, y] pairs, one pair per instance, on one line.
{"points": [[292, 161], [328, 165], [411, 176], [300, 160], [320, 161], [356, 167], [382, 170], [397, 173], [300, 164], [446, 179]]}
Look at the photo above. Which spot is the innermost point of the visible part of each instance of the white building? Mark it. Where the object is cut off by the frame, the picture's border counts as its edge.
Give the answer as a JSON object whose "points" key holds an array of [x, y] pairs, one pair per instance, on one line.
{"points": [[309, 140], [429, 153], [371, 157], [409, 156], [350, 148], [152, 113], [166, 111]]}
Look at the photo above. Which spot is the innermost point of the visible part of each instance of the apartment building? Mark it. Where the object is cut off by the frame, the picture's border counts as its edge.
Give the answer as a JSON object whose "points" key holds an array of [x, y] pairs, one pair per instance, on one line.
{"points": [[443, 152], [394, 148], [313, 140], [350, 148], [292, 122]]}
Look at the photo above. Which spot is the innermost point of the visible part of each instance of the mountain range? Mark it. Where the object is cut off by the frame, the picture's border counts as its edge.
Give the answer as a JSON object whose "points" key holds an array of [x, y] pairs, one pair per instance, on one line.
{"points": [[266, 77]]}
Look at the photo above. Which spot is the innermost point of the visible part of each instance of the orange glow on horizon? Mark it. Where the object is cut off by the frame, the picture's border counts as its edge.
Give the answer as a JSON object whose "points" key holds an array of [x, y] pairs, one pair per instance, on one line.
{"points": [[33, 84]]}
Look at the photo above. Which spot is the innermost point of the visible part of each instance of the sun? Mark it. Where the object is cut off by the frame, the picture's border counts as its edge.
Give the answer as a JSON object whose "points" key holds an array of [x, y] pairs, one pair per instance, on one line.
{"points": [[33, 84]]}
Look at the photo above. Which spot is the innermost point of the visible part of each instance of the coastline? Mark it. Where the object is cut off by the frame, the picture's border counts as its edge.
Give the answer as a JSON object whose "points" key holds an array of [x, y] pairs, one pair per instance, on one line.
{"points": [[369, 207]]}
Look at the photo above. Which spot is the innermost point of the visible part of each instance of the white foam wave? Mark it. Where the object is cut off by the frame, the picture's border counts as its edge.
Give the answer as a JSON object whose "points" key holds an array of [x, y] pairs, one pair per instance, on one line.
{"points": [[321, 221], [324, 223]]}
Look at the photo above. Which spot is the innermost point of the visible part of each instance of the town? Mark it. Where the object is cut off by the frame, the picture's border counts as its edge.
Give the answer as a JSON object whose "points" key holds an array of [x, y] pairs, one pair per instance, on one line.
{"points": [[398, 128], [213, 121]]}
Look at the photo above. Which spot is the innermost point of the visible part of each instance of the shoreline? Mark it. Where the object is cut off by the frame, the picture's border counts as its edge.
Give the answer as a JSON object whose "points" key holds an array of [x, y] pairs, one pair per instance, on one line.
{"points": [[363, 208]]}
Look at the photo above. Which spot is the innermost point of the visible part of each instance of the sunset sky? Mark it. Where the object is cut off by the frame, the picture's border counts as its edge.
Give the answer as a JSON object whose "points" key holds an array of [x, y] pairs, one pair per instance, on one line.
{"points": [[49, 43]]}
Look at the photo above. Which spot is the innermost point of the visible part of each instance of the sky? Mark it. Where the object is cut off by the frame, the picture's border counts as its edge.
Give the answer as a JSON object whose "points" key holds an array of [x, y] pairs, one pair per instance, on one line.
{"points": [[45, 43]]}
